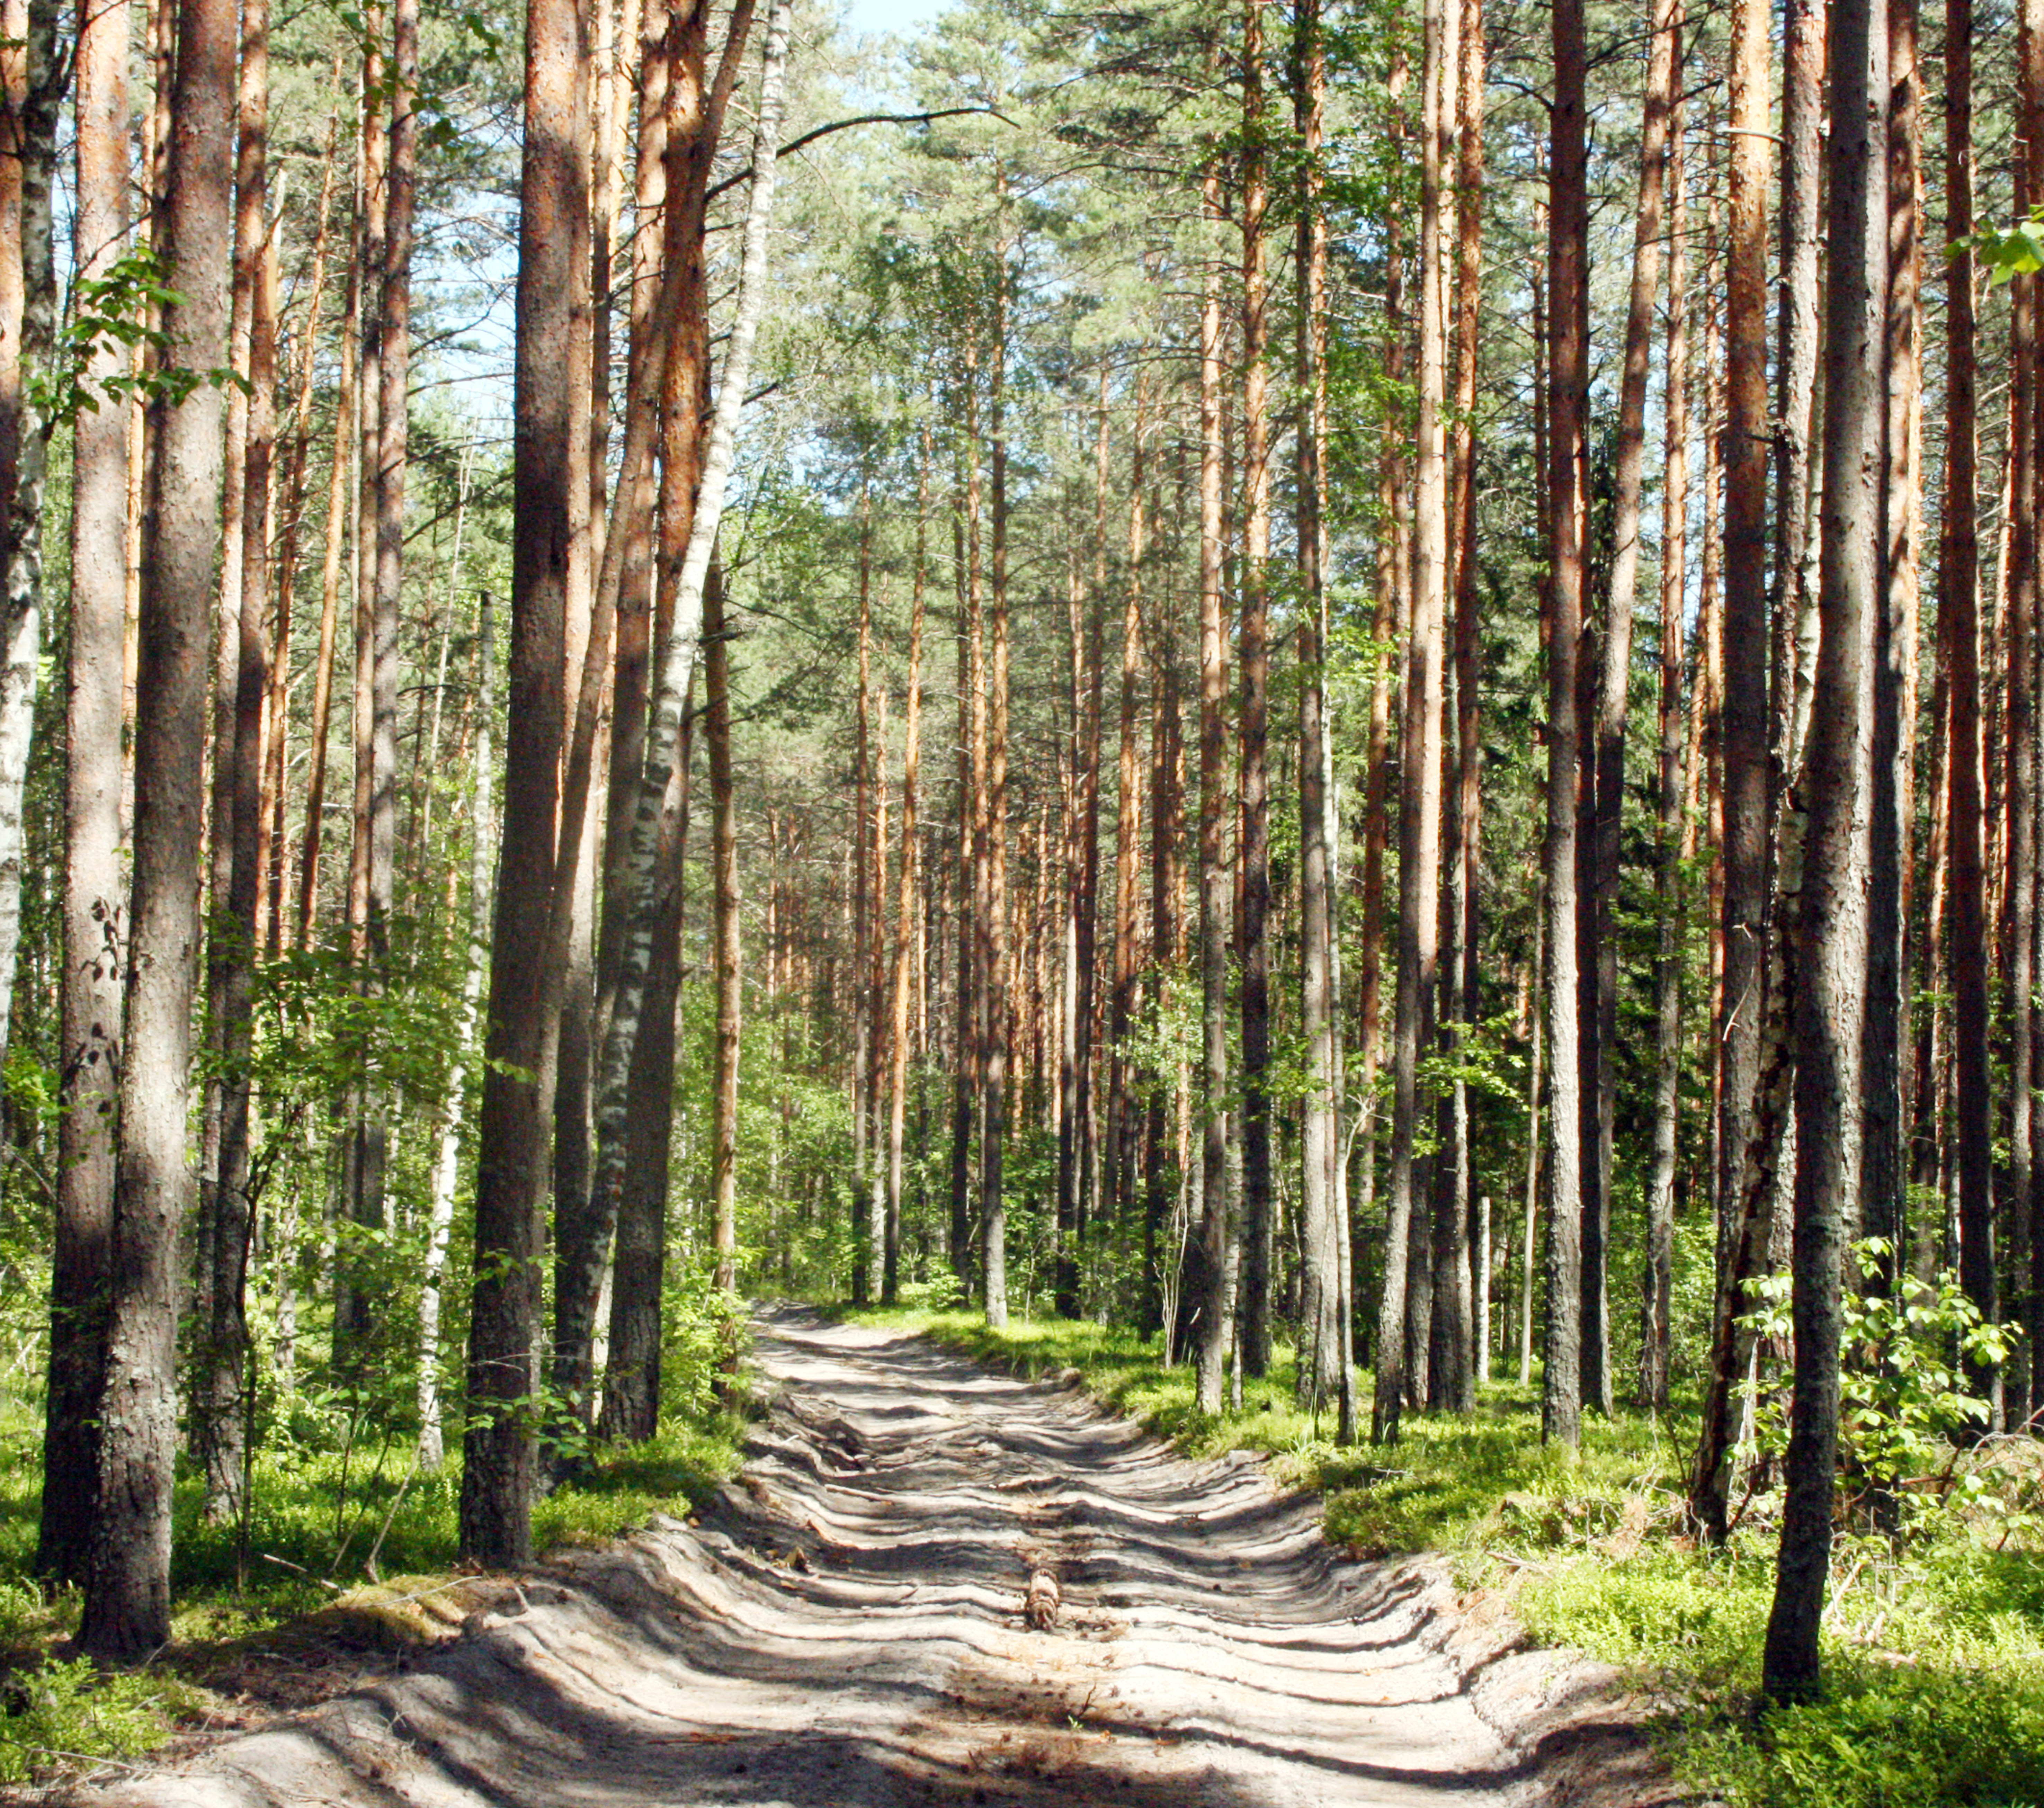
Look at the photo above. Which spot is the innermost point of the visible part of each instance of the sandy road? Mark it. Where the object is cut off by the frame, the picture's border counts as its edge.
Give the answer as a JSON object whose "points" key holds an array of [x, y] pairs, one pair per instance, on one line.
{"points": [[845, 1629]]}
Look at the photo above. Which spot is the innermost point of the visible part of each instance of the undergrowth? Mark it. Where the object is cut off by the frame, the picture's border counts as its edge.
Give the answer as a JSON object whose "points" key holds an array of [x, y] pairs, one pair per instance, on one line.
{"points": [[364, 1535], [1934, 1653]]}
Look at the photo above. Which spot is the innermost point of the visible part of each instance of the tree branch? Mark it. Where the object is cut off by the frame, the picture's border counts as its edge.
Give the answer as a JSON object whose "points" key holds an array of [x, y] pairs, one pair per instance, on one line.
{"points": [[808, 138]]}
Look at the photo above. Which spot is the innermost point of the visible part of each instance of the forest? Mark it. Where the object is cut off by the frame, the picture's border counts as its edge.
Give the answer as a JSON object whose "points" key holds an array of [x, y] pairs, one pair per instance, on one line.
{"points": [[1325, 709]]}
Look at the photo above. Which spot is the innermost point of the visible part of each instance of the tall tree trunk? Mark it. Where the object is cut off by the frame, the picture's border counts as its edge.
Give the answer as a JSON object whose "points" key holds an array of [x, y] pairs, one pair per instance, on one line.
{"points": [[1205, 1283], [1074, 1140], [1613, 687], [1744, 718], [726, 952], [993, 1122], [642, 870], [1829, 1166], [512, 1163], [965, 1081], [1883, 1209], [1465, 822], [275, 765], [220, 1385], [31, 121], [1658, 1280], [2023, 595], [1257, 1228], [1958, 574], [1393, 603], [629, 1409], [1323, 1367], [339, 489], [1568, 258], [447, 1165], [1420, 815], [93, 903], [127, 1596], [864, 1230], [904, 925]]}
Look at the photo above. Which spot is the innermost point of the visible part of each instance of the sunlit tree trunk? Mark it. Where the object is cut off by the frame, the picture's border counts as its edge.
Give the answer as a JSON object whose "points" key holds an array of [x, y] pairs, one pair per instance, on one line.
{"points": [[1829, 1165], [993, 1119], [35, 86], [1958, 577], [726, 948], [1323, 1366], [1883, 1212], [1401, 1357], [905, 918], [1657, 1278], [1613, 686], [1464, 831], [447, 1165], [1205, 1280], [512, 1166], [94, 905], [127, 1595], [1745, 713], [1257, 1227], [1567, 404]]}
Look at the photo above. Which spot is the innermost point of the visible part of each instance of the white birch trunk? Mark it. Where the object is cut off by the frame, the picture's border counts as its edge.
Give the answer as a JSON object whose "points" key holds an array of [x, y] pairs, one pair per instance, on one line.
{"points": [[447, 1166], [641, 866]]}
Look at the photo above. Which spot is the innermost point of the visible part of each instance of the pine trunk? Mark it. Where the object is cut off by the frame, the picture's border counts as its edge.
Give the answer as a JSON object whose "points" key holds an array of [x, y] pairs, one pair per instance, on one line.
{"points": [[1829, 1165], [127, 1595], [94, 907]]}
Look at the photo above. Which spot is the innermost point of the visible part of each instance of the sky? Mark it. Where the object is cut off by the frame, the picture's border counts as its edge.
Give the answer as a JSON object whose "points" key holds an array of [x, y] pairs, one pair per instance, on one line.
{"points": [[901, 16]]}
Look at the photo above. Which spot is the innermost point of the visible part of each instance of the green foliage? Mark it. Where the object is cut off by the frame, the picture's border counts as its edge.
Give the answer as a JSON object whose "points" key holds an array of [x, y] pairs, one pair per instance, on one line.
{"points": [[2009, 251], [1905, 1410], [116, 310], [59, 1712]]}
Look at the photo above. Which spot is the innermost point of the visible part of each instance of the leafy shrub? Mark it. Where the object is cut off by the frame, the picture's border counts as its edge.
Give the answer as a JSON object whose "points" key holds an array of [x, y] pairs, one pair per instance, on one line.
{"points": [[59, 1711]]}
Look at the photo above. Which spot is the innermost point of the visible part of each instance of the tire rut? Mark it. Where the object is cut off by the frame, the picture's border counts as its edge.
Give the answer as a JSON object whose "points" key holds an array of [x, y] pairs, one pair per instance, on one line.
{"points": [[844, 1628]]}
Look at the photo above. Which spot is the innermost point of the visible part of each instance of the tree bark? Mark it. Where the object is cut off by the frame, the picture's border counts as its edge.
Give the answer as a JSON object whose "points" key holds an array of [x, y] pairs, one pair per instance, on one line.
{"points": [[1399, 1379], [1884, 1211], [1257, 1227], [1205, 1283], [904, 924], [24, 432], [1658, 1280], [1323, 1367], [1958, 574], [993, 1120], [447, 1165], [1465, 821], [1613, 685], [726, 952], [127, 1596], [1745, 718], [1568, 258], [642, 871], [512, 1167], [93, 905], [1829, 1165]]}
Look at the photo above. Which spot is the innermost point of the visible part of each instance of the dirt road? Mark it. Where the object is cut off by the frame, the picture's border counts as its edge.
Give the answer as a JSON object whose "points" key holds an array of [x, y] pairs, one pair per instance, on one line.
{"points": [[845, 1629]]}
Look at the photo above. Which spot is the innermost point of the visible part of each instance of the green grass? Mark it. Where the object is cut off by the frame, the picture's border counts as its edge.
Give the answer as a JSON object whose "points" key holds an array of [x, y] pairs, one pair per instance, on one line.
{"points": [[315, 1519], [1933, 1654]]}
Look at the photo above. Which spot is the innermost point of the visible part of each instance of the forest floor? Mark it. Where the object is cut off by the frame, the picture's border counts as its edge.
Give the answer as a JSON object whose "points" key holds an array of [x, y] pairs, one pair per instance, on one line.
{"points": [[845, 1625]]}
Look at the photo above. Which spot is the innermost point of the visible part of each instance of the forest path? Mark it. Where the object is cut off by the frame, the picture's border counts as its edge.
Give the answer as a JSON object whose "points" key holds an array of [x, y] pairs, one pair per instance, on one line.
{"points": [[844, 1629]]}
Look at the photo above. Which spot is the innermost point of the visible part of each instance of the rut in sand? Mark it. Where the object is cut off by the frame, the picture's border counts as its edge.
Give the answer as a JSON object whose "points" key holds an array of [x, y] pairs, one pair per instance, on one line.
{"points": [[847, 1628]]}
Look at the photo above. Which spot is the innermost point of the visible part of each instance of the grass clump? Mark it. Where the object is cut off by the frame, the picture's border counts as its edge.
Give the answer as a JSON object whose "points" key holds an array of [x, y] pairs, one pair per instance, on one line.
{"points": [[1934, 1651]]}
